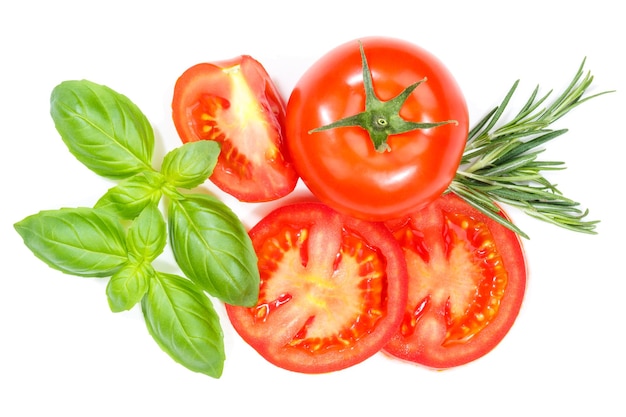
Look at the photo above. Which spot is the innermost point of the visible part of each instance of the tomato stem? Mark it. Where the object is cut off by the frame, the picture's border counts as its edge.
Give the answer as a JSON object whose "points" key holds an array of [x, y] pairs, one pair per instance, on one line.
{"points": [[381, 118]]}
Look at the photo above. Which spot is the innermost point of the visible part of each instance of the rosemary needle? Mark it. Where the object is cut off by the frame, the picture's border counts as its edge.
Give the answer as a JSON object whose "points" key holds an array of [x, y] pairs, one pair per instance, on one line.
{"points": [[501, 162]]}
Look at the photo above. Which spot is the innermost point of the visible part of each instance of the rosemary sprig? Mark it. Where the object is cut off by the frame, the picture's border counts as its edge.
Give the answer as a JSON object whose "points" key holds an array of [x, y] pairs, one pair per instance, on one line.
{"points": [[500, 163]]}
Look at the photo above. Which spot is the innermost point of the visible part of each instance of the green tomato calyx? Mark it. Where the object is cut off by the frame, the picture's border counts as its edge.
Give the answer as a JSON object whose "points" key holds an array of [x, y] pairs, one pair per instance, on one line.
{"points": [[381, 119]]}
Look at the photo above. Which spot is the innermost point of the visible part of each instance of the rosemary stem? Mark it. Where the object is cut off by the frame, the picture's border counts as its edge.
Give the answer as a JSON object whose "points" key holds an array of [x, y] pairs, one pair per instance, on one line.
{"points": [[499, 164]]}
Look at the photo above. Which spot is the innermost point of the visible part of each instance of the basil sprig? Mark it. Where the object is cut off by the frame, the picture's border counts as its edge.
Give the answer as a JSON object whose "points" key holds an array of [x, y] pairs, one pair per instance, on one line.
{"points": [[125, 231]]}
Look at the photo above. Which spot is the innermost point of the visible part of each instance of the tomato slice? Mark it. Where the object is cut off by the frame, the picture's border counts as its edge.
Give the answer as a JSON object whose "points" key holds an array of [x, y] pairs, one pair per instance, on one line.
{"points": [[467, 278], [235, 103], [332, 292]]}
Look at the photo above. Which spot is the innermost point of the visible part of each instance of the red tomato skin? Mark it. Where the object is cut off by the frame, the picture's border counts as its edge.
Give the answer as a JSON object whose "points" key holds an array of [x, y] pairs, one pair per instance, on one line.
{"points": [[429, 351], [272, 344], [249, 122], [340, 166]]}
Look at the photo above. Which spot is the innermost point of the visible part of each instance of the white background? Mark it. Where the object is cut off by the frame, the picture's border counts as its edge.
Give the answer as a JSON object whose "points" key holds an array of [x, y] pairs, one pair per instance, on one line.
{"points": [[62, 352]]}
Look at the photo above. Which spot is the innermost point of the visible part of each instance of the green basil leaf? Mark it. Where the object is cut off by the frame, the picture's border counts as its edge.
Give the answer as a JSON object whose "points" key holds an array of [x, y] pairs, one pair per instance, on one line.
{"points": [[183, 322], [212, 248], [128, 286], [191, 164], [102, 128], [147, 235], [78, 241], [128, 198]]}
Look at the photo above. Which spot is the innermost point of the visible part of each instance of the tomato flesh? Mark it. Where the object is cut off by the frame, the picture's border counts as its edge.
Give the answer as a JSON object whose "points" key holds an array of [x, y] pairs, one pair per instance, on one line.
{"points": [[235, 103], [467, 278], [332, 292]]}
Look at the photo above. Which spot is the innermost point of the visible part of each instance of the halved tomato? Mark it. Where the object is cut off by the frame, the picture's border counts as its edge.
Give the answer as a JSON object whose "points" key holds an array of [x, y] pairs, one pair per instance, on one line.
{"points": [[332, 292], [235, 103], [467, 278]]}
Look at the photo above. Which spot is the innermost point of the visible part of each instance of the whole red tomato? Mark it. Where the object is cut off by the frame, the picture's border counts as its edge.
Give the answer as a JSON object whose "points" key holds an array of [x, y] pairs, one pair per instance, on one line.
{"points": [[377, 131]]}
